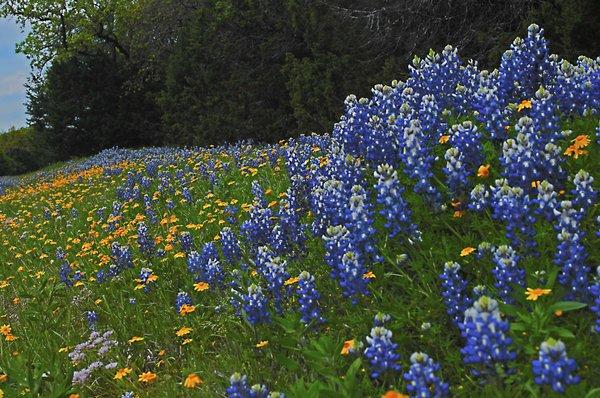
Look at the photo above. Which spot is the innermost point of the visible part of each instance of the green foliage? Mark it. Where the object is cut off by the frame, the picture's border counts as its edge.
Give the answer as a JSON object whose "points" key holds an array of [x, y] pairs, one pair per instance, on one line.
{"points": [[23, 150], [83, 107]]}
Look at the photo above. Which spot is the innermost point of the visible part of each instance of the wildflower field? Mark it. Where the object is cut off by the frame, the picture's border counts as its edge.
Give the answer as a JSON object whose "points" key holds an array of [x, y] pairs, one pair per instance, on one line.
{"points": [[443, 240]]}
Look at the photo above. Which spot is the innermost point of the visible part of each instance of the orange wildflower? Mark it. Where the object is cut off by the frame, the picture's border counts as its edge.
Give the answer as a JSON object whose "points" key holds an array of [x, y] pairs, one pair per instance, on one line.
{"points": [[183, 331], [525, 104], [192, 381], [201, 286], [393, 394], [369, 275], [147, 377], [466, 251], [483, 171], [348, 346], [186, 309], [581, 141], [122, 373]]}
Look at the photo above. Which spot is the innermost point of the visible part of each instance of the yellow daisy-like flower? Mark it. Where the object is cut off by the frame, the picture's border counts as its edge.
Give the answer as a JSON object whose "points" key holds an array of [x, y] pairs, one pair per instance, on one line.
{"points": [[348, 346], [201, 286], [575, 151], [192, 381], [443, 139], [369, 275], [525, 104], [291, 281], [5, 330], [122, 373], [183, 331], [3, 377], [262, 344], [186, 309], [135, 339], [534, 294], [147, 377], [581, 141], [466, 251]]}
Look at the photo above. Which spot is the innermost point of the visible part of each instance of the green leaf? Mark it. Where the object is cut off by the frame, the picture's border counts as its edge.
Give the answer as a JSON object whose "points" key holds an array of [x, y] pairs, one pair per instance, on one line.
{"points": [[518, 327], [566, 306], [594, 393], [562, 332], [552, 278], [508, 309]]}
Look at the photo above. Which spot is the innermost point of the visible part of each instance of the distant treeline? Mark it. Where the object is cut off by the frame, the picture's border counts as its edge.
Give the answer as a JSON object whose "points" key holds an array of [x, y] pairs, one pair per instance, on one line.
{"points": [[197, 72]]}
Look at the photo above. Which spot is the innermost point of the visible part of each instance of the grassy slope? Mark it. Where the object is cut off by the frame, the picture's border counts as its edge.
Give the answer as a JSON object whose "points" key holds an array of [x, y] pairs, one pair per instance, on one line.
{"points": [[49, 316]]}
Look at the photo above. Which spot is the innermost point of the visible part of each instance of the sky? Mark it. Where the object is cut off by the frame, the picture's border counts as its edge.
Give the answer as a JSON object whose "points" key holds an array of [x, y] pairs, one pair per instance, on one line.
{"points": [[14, 70]]}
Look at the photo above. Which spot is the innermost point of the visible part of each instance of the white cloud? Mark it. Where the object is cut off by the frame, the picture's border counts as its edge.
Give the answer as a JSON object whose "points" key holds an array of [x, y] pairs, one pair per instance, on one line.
{"points": [[12, 84]]}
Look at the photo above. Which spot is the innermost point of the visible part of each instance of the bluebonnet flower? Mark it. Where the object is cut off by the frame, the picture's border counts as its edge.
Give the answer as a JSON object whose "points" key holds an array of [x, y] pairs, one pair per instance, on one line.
{"points": [[92, 319], [531, 156], [259, 194], [273, 269], [421, 378], [187, 242], [122, 260], [544, 113], [456, 172], [584, 193], [206, 266], [146, 242], [514, 207], [147, 279], [182, 299], [484, 331], [489, 105], [347, 267], [467, 140], [257, 229], [507, 272], [479, 198], [230, 246], [547, 200], [553, 367], [418, 161], [484, 248], [309, 299], [291, 227], [128, 394], [396, 210], [255, 306], [238, 386], [571, 255], [230, 213], [454, 292], [360, 224], [65, 272], [381, 352], [595, 292], [380, 319]]}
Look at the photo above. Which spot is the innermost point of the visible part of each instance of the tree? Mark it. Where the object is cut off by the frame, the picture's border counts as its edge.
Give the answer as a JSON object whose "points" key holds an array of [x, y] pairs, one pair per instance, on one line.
{"points": [[60, 29]]}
